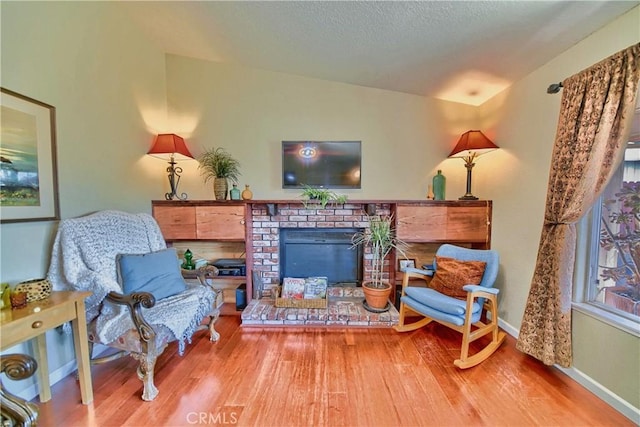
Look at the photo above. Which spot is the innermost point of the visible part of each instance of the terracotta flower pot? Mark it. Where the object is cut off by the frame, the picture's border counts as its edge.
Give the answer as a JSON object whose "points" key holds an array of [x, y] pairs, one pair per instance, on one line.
{"points": [[376, 298]]}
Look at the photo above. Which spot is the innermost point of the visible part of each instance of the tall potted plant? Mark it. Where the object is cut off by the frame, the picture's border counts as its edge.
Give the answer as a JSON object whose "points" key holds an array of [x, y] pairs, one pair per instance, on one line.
{"points": [[620, 235], [380, 237], [219, 165]]}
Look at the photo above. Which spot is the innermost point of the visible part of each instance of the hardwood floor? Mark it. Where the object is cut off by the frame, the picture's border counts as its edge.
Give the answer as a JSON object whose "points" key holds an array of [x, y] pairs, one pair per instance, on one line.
{"points": [[331, 377]]}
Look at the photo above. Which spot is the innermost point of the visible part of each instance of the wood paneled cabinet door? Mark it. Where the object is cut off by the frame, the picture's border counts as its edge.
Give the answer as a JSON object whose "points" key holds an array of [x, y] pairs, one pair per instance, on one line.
{"points": [[468, 222], [220, 222], [176, 222]]}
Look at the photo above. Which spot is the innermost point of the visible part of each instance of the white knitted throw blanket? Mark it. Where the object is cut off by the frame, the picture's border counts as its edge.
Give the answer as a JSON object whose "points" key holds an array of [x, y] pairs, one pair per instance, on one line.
{"points": [[84, 259]]}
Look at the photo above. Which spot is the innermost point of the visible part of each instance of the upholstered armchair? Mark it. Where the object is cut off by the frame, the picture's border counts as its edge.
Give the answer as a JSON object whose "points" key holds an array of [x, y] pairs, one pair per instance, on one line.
{"points": [[139, 301], [14, 410], [460, 295]]}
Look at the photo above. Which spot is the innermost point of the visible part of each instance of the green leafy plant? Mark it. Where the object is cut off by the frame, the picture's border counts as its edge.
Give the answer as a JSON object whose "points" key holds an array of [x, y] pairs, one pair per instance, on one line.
{"points": [[381, 237], [218, 163], [623, 211], [323, 196]]}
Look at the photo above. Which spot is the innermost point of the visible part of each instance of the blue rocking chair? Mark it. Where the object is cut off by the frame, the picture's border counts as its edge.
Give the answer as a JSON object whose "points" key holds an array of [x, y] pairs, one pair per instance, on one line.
{"points": [[464, 316]]}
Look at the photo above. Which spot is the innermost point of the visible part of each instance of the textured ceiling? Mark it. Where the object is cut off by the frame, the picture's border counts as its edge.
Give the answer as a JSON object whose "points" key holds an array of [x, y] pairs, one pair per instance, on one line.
{"points": [[464, 51]]}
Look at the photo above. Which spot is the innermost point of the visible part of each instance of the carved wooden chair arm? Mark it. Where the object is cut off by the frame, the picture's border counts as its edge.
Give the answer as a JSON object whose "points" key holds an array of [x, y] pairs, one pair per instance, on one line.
{"points": [[206, 271], [18, 366], [135, 301], [17, 411]]}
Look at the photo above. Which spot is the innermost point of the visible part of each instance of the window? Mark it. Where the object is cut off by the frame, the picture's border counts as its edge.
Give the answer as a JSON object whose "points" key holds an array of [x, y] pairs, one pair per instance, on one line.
{"points": [[613, 283]]}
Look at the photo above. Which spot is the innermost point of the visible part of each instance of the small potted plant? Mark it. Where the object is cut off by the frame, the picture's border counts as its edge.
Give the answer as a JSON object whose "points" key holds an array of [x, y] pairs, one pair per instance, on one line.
{"points": [[381, 238], [620, 235], [323, 196], [219, 165]]}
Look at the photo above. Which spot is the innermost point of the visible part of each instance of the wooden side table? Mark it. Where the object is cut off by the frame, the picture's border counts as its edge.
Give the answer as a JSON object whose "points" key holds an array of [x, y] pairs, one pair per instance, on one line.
{"points": [[38, 317]]}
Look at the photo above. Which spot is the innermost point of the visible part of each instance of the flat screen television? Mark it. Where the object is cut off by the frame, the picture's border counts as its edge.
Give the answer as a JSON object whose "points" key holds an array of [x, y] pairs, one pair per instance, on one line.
{"points": [[326, 164]]}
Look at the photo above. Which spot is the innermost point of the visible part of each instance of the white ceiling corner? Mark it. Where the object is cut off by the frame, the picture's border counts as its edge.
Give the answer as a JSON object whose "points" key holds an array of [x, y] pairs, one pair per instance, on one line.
{"points": [[463, 51]]}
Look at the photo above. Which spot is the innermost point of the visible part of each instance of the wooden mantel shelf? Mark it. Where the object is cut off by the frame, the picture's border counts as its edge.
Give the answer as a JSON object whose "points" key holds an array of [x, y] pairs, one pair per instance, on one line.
{"points": [[349, 201], [369, 205]]}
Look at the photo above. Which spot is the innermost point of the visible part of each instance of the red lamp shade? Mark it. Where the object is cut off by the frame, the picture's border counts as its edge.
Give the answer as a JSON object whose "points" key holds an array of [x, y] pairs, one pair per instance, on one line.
{"points": [[472, 144], [168, 145]]}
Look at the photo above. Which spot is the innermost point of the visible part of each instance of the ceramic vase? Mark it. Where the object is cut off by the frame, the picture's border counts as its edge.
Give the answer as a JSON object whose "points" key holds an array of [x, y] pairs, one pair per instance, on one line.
{"points": [[439, 183], [247, 194], [234, 193]]}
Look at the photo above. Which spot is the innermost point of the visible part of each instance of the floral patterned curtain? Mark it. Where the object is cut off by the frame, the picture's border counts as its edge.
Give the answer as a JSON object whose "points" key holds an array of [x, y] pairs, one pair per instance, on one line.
{"points": [[595, 119]]}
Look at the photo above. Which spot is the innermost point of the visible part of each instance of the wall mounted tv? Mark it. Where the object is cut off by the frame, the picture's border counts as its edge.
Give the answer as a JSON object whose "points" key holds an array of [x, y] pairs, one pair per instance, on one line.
{"points": [[327, 164]]}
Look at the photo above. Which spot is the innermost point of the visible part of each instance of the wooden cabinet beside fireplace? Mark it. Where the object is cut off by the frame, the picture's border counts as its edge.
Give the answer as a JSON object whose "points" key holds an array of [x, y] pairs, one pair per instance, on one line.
{"points": [[426, 225], [211, 230], [182, 221], [467, 222]]}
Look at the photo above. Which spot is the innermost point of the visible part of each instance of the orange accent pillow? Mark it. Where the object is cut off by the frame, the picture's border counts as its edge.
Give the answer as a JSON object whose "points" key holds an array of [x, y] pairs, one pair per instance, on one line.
{"points": [[452, 274]]}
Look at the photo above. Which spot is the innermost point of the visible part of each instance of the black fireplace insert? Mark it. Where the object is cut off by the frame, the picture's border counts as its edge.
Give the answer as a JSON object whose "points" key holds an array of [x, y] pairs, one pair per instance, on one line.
{"points": [[309, 252]]}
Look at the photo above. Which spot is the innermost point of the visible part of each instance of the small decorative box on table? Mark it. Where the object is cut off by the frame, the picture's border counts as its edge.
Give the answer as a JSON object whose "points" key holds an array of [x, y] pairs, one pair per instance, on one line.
{"points": [[310, 292]]}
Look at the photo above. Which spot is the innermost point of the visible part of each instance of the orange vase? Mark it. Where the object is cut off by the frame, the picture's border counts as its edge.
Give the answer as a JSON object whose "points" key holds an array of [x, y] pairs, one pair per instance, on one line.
{"points": [[247, 194]]}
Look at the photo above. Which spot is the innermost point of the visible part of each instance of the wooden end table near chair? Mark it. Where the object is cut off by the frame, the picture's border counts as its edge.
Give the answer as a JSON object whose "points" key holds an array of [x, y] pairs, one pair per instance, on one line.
{"points": [[35, 319]]}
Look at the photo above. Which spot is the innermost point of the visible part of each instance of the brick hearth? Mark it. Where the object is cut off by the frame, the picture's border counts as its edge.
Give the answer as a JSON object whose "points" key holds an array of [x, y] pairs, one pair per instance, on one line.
{"points": [[344, 308]]}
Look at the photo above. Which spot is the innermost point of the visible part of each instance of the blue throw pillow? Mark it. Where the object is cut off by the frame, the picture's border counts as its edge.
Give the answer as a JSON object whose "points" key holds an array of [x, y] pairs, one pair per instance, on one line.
{"points": [[155, 272]]}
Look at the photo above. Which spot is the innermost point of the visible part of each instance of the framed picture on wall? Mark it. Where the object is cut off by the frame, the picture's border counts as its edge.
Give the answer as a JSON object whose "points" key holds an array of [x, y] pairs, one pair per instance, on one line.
{"points": [[406, 263], [28, 174]]}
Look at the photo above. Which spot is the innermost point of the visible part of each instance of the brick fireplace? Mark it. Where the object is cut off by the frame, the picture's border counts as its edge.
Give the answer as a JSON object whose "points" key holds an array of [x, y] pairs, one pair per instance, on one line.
{"points": [[266, 222]]}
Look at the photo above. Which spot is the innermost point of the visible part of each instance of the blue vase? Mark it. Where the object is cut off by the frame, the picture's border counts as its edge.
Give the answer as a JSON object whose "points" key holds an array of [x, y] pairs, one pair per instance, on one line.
{"points": [[439, 183], [235, 193]]}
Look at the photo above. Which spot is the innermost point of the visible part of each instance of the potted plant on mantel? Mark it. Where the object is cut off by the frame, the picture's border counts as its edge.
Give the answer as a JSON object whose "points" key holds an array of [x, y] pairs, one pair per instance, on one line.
{"points": [[323, 196], [219, 165], [623, 211], [381, 238]]}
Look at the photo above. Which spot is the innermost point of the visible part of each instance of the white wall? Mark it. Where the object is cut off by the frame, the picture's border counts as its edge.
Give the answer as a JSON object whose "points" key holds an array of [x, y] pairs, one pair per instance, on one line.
{"points": [[108, 86], [523, 120], [249, 112]]}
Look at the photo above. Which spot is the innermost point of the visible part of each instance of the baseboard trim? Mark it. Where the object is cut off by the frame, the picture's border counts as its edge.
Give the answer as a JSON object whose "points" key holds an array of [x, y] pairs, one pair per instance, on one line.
{"points": [[612, 399], [508, 328], [62, 372], [615, 401], [32, 391]]}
